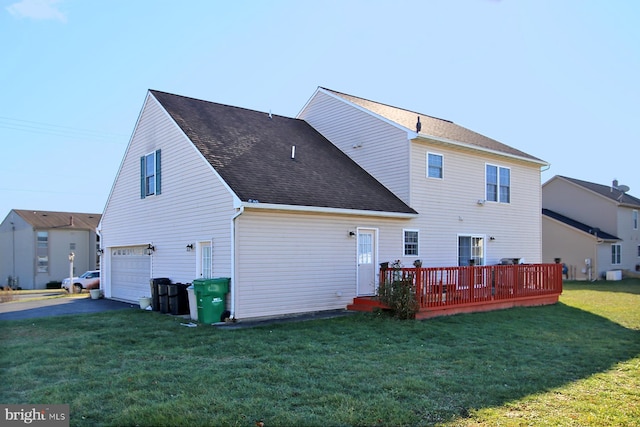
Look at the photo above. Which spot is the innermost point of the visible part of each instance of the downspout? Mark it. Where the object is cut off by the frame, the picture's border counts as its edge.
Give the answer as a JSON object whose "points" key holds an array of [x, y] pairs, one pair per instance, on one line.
{"points": [[232, 308]]}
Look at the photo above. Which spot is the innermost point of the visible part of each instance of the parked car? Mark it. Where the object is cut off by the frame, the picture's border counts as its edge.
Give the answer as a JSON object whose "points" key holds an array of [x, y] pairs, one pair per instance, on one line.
{"points": [[88, 280]]}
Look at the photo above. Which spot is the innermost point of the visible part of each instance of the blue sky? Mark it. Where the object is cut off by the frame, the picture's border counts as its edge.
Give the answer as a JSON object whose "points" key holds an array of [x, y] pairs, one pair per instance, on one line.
{"points": [[559, 80]]}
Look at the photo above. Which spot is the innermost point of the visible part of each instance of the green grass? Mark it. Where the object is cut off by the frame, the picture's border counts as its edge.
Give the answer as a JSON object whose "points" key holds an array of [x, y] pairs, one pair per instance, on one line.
{"points": [[575, 363]]}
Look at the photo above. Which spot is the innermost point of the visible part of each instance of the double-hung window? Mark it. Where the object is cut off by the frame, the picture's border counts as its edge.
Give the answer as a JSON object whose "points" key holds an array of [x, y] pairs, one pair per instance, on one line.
{"points": [[410, 243], [150, 174], [615, 254], [435, 167], [498, 184], [634, 219]]}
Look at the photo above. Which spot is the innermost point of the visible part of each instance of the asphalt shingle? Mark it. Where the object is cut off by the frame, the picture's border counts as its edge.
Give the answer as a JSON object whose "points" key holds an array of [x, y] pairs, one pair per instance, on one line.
{"points": [[252, 152]]}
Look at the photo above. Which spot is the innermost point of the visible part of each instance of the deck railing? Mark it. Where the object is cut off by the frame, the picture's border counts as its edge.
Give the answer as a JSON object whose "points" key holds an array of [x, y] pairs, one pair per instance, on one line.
{"points": [[450, 286]]}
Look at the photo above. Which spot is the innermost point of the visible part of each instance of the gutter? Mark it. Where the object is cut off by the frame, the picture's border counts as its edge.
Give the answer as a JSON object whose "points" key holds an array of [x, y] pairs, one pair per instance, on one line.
{"points": [[415, 136], [316, 209], [232, 290]]}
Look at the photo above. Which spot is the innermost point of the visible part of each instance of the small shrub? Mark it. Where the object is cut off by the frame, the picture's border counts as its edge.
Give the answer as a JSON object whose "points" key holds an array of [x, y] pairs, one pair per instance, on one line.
{"points": [[400, 296]]}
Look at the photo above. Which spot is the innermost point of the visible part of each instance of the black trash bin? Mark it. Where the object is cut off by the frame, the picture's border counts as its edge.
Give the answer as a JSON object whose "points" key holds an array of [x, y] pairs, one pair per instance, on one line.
{"points": [[163, 296], [178, 298], [155, 295]]}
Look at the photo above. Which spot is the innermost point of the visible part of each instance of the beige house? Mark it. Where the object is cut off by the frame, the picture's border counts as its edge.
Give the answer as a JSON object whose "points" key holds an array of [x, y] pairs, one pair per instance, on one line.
{"points": [[300, 212], [35, 246], [592, 228]]}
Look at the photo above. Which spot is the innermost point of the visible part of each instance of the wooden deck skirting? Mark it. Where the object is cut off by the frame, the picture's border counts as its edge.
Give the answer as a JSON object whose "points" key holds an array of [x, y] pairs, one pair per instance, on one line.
{"points": [[451, 290]]}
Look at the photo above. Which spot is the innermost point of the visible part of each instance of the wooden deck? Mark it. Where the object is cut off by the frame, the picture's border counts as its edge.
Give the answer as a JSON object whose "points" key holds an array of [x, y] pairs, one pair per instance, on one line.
{"points": [[442, 291]]}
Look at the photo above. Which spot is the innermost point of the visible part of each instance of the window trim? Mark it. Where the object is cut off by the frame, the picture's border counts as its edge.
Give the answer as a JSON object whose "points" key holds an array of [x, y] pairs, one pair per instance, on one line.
{"points": [[616, 254], [144, 191], [498, 185], [42, 251], [483, 247], [404, 241], [430, 153], [634, 219]]}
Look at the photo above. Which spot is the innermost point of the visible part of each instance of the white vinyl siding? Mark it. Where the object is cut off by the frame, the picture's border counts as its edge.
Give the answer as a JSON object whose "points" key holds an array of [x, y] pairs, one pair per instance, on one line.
{"points": [[278, 272], [196, 205], [380, 148], [450, 207]]}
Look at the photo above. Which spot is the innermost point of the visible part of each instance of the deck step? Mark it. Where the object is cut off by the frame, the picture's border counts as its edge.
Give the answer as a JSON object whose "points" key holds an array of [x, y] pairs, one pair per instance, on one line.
{"points": [[365, 304]]}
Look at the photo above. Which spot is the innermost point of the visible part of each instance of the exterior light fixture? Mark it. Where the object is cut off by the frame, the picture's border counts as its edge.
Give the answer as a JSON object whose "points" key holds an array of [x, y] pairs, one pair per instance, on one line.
{"points": [[189, 247], [149, 249], [351, 234], [100, 251]]}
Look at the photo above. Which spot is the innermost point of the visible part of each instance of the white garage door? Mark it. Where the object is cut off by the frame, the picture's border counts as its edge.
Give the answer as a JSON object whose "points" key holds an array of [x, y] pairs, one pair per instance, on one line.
{"points": [[130, 273]]}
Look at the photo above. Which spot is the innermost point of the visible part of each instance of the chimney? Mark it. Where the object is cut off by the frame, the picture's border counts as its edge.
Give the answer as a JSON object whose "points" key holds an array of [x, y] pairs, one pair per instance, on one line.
{"points": [[614, 185], [71, 221]]}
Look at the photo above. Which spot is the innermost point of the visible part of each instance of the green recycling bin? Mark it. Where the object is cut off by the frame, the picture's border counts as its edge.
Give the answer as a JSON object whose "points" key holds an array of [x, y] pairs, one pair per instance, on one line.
{"points": [[210, 297]]}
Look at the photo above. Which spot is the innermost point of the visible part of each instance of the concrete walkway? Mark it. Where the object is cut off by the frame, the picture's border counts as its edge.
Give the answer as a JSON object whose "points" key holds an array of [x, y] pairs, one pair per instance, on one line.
{"points": [[52, 305]]}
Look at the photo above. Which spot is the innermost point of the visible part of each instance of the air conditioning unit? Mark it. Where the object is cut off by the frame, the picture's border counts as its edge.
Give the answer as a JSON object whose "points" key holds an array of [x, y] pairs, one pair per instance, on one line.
{"points": [[614, 275]]}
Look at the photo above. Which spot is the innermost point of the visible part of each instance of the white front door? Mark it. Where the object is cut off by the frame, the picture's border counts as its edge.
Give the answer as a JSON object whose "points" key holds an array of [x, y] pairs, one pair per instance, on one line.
{"points": [[367, 256]]}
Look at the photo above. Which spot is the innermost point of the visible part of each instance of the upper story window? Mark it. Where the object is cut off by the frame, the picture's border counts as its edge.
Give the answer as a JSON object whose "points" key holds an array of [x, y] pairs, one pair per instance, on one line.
{"points": [[498, 181], [434, 165], [410, 242], [150, 174], [634, 216]]}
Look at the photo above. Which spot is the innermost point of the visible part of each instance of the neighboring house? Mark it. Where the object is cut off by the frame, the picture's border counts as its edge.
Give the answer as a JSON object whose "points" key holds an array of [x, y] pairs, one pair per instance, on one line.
{"points": [[592, 228], [35, 246], [299, 213]]}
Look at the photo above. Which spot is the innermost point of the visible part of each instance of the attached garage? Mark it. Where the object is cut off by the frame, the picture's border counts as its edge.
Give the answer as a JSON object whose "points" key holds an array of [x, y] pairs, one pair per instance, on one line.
{"points": [[130, 273]]}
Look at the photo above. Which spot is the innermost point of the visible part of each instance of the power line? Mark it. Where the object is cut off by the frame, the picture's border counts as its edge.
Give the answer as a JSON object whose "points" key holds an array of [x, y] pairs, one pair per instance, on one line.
{"points": [[58, 130]]}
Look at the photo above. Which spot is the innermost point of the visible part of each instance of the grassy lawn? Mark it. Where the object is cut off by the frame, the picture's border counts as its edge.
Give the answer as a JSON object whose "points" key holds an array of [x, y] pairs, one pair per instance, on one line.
{"points": [[576, 363]]}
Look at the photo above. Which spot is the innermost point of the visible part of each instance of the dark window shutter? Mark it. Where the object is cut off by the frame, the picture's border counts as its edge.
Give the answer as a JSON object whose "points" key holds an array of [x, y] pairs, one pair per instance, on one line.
{"points": [[158, 172], [143, 191]]}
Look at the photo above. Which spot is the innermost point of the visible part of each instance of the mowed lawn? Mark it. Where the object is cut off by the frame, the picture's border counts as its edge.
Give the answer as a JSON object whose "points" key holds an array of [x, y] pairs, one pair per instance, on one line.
{"points": [[576, 363]]}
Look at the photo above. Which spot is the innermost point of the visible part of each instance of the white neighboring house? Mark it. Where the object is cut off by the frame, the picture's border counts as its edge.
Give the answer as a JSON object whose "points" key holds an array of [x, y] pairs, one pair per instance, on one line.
{"points": [[298, 213], [592, 228], [35, 246]]}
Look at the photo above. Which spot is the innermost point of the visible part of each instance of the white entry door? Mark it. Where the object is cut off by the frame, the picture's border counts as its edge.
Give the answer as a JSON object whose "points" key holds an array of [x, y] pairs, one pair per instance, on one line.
{"points": [[367, 262]]}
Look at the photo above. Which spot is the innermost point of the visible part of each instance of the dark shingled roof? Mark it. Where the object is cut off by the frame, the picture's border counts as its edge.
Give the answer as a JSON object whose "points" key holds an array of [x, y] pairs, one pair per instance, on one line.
{"points": [[251, 151], [578, 225], [69, 220], [432, 126], [605, 190]]}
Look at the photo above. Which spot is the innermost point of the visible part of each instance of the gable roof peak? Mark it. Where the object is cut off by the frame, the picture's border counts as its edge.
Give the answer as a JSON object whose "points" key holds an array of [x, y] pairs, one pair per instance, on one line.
{"points": [[613, 192], [253, 153], [433, 128]]}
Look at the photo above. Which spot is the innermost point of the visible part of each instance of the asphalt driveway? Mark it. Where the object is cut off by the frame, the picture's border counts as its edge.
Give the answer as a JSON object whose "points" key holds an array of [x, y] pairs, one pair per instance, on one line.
{"points": [[49, 305]]}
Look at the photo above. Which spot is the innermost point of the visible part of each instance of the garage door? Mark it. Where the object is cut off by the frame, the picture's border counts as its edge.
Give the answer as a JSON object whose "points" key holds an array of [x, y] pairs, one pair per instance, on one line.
{"points": [[130, 273]]}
